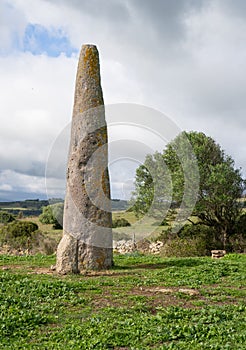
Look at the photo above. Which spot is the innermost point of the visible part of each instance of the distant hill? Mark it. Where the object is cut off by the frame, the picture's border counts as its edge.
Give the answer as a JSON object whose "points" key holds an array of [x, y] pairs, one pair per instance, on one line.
{"points": [[119, 204], [33, 207], [29, 207]]}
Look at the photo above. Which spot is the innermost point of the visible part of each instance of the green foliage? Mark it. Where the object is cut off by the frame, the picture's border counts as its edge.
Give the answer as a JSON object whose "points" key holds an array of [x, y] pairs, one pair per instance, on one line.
{"points": [[6, 217], [164, 222], [52, 214], [120, 222], [185, 247], [198, 230], [124, 309], [220, 184], [22, 235], [18, 234], [19, 229], [153, 187], [240, 225], [47, 215], [237, 241]]}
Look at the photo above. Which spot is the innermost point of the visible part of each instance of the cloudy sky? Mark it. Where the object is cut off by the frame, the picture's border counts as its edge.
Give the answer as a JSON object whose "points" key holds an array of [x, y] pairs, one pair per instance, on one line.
{"points": [[184, 58]]}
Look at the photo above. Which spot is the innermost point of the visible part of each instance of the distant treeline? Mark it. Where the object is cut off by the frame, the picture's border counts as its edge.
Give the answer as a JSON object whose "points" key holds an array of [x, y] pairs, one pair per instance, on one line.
{"points": [[26, 204], [29, 207], [33, 207], [119, 204]]}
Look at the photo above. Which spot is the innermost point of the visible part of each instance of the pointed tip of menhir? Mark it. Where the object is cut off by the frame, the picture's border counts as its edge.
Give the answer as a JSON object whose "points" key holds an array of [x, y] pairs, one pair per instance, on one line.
{"points": [[89, 46]]}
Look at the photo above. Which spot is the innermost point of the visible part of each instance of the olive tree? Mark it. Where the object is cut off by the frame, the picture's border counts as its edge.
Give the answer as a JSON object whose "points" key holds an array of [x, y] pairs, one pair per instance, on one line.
{"points": [[220, 184]]}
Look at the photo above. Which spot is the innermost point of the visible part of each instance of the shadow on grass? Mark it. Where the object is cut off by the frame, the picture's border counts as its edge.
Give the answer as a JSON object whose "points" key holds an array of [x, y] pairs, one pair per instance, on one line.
{"points": [[178, 262]]}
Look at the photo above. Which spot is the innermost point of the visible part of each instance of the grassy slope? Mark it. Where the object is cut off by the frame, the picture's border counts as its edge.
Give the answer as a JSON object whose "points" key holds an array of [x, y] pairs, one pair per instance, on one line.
{"points": [[141, 229], [140, 304]]}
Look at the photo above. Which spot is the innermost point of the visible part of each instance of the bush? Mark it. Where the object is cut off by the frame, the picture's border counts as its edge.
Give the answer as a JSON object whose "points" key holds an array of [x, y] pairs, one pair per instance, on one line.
{"points": [[237, 241], [191, 240], [120, 222], [19, 229], [41, 243], [240, 226], [6, 217], [17, 234], [47, 215], [185, 247], [22, 235], [52, 214]]}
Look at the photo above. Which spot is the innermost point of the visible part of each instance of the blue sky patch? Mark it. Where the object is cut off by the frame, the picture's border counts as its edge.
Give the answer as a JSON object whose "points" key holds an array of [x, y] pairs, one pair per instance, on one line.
{"points": [[52, 42]]}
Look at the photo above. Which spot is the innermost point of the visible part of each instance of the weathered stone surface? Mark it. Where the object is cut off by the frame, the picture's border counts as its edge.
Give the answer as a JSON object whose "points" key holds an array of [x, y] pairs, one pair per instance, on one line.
{"points": [[143, 246], [87, 222], [67, 255], [217, 254]]}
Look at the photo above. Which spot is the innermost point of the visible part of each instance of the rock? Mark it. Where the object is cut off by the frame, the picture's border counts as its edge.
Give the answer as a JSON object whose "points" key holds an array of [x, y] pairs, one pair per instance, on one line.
{"points": [[155, 247], [142, 246], [125, 246], [216, 254], [87, 221]]}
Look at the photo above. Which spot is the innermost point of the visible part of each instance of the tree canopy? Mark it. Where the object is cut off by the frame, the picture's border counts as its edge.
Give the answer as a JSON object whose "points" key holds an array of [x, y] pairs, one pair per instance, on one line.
{"points": [[52, 214], [193, 172]]}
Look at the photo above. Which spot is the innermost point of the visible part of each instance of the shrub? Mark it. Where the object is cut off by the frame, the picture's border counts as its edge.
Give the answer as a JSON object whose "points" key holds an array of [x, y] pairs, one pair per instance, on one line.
{"points": [[6, 217], [41, 243], [185, 247], [52, 214], [19, 228], [18, 233], [240, 226], [237, 241], [120, 222], [197, 230], [191, 240], [47, 215], [22, 235]]}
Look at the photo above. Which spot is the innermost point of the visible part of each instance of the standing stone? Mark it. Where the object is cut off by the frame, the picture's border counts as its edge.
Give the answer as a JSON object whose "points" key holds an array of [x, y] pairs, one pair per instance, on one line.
{"points": [[87, 221]]}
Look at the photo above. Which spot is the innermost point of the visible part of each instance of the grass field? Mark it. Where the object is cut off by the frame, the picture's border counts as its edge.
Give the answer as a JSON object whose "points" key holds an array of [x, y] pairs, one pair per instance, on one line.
{"points": [[141, 229], [144, 302]]}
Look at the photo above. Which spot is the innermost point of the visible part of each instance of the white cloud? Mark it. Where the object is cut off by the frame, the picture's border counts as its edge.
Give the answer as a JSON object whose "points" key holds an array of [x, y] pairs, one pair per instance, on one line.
{"points": [[6, 187], [16, 182], [37, 96], [185, 58], [12, 26]]}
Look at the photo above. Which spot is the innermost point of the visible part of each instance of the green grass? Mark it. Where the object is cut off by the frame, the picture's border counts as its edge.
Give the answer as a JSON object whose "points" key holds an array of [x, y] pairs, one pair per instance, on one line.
{"points": [[140, 228], [124, 308]]}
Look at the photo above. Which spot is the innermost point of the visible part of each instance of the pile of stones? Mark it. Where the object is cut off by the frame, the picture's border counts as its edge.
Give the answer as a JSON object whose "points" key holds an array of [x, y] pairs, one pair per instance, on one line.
{"points": [[124, 246], [156, 247], [142, 246], [217, 254]]}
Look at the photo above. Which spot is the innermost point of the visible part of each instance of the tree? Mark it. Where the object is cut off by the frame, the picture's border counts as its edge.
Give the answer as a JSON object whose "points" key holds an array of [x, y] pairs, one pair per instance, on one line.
{"points": [[153, 187], [52, 214], [220, 184]]}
